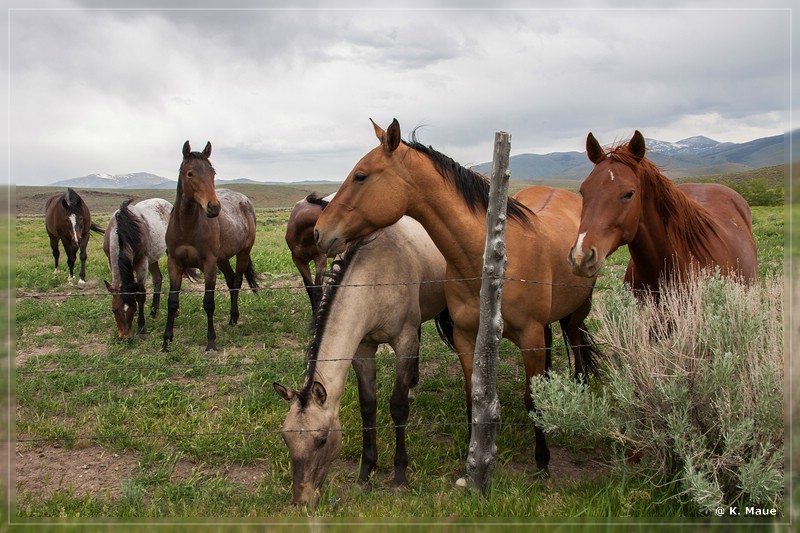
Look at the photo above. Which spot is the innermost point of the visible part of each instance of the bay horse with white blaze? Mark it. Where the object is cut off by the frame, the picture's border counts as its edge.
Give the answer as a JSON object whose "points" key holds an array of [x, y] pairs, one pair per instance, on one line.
{"points": [[206, 229], [407, 178], [669, 229], [67, 219], [300, 240], [381, 290], [134, 242]]}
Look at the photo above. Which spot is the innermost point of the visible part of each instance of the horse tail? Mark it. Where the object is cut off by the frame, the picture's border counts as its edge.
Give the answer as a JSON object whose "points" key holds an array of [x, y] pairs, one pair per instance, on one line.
{"points": [[444, 326], [590, 352], [250, 275], [97, 229]]}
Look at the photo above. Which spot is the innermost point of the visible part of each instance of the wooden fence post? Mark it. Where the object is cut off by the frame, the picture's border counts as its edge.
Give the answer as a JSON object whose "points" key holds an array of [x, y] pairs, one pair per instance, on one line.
{"points": [[485, 403]]}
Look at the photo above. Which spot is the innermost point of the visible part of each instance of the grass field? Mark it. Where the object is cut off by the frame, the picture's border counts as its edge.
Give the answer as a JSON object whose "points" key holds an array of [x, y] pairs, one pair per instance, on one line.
{"points": [[106, 429]]}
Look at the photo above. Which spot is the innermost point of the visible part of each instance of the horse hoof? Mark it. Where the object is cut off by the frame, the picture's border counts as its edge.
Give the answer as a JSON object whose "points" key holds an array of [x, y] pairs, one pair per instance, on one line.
{"points": [[81, 283], [141, 336], [542, 476]]}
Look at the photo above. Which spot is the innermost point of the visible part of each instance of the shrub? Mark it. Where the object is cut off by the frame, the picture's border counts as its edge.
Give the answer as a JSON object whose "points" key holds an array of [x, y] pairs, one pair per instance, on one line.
{"points": [[693, 385]]}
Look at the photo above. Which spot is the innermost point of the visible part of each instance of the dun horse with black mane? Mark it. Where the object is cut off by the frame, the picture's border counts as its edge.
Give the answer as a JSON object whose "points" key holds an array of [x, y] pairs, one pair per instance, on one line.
{"points": [[206, 228], [399, 178]]}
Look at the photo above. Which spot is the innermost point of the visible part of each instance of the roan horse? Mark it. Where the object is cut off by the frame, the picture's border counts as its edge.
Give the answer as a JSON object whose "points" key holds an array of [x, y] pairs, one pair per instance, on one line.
{"points": [[206, 228], [134, 243], [67, 219], [300, 240], [382, 289], [669, 229], [450, 202]]}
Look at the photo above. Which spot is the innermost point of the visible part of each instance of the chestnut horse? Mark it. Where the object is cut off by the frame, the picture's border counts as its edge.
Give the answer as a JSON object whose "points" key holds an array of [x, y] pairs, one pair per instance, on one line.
{"points": [[669, 229], [67, 218], [381, 290], [300, 240], [206, 228], [134, 242], [407, 178]]}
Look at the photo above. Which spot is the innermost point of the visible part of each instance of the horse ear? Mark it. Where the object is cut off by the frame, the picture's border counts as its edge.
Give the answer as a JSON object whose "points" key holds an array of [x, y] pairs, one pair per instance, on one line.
{"points": [[207, 150], [319, 393], [594, 151], [636, 146], [285, 393], [379, 133], [392, 137], [186, 149]]}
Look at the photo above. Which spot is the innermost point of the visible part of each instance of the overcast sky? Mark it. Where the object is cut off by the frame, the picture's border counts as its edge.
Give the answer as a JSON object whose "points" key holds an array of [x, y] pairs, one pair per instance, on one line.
{"points": [[286, 94]]}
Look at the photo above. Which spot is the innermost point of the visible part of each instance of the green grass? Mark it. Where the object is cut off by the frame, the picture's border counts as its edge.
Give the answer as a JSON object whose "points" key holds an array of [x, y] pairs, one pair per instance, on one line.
{"points": [[189, 421]]}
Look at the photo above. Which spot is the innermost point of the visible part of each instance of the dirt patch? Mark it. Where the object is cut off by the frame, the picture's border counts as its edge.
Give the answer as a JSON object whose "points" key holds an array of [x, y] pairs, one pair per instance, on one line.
{"points": [[95, 471]]}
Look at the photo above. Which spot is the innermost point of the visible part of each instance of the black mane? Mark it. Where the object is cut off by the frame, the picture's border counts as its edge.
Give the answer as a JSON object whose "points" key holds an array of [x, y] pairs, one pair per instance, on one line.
{"points": [[472, 187], [335, 276], [129, 234], [316, 199]]}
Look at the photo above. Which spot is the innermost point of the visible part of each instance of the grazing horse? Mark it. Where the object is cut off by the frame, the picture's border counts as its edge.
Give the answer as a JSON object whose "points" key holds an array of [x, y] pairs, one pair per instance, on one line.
{"points": [[134, 243], [669, 229], [300, 240], [206, 228], [407, 178], [382, 289], [67, 219]]}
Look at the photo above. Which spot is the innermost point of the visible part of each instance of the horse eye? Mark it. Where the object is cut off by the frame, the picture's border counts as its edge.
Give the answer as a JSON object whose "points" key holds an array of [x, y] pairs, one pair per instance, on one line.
{"points": [[628, 196], [360, 176]]}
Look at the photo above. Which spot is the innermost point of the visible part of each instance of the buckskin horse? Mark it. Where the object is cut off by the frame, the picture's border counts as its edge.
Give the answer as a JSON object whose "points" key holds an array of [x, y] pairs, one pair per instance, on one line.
{"points": [[381, 290], [669, 229], [67, 219], [206, 229], [407, 178]]}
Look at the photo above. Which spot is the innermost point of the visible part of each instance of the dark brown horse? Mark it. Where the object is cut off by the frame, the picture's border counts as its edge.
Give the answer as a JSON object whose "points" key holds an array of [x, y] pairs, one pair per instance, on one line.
{"points": [[67, 219], [300, 240], [669, 229], [206, 228], [407, 178]]}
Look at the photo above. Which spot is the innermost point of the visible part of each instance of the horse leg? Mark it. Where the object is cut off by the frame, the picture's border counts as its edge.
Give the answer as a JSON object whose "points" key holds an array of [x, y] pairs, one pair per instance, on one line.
{"points": [[574, 339], [69, 248], [82, 251], [364, 366], [175, 272], [406, 377], [464, 343], [56, 252], [230, 280], [308, 283], [210, 273], [534, 356], [141, 296], [155, 273]]}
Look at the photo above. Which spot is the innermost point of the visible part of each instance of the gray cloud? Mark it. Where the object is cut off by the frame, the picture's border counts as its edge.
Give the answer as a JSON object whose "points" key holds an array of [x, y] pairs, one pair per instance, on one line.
{"points": [[286, 94]]}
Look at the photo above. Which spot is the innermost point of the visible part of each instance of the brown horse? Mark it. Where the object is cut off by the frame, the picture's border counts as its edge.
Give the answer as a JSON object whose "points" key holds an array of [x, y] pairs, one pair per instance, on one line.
{"points": [[67, 219], [206, 228], [669, 229], [450, 201], [300, 240]]}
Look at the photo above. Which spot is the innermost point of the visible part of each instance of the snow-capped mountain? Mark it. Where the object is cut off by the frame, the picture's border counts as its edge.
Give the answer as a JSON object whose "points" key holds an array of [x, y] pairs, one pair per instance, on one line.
{"points": [[136, 180]]}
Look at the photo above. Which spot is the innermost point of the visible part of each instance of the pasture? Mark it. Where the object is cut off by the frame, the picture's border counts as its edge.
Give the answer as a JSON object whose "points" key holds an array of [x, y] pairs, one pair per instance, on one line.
{"points": [[107, 429]]}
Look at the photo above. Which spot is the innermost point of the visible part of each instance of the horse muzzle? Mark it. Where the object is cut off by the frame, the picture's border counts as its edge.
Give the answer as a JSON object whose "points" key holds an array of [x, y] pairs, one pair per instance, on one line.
{"points": [[584, 263], [330, 243], [213, 209]]}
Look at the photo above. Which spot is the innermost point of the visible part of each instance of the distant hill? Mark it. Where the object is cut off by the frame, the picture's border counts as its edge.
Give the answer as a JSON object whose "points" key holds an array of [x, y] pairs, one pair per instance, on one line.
{"points": [[695, 156]]}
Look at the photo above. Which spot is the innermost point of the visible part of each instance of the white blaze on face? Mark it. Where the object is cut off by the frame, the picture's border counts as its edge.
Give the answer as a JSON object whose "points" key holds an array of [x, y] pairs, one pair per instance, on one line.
{"points": [[611, 173], [73, 219], [579, 244]]}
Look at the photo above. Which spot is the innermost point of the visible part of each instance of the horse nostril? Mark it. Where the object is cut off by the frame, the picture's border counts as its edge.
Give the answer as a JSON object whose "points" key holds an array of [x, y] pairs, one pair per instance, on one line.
{"points": [[212, 209]]}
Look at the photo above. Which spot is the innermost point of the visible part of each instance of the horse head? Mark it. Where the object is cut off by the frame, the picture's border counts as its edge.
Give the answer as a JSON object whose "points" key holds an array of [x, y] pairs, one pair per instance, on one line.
{"points": [[196, 179], [373, 196], [612, 204], [123, 311], [313, 433]]}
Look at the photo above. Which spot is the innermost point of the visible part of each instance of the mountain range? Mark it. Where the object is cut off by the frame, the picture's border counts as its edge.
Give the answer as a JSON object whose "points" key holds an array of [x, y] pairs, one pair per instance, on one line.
{"points": [[694, 156]]}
